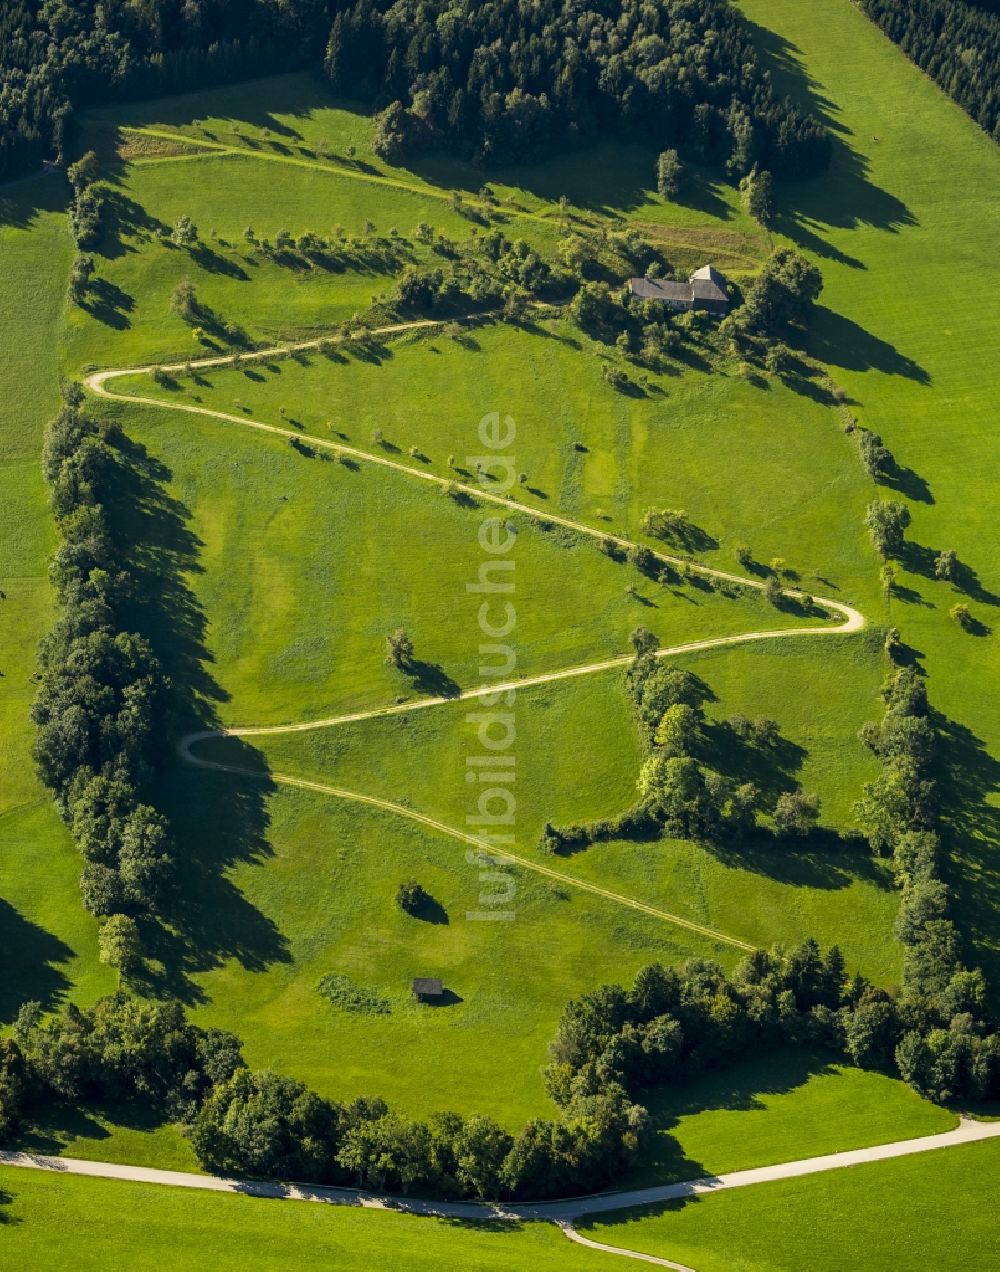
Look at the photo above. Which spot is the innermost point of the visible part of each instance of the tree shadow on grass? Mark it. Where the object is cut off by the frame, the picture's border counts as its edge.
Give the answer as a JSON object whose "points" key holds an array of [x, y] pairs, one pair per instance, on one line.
{"points": [[837, 341], [821, 860], [31, 964], [53, 1125], [24, 198], [432, 679], [737, 1088], [108, 303], [969, 781], [218, 820], [771, 766], [844, 197]]}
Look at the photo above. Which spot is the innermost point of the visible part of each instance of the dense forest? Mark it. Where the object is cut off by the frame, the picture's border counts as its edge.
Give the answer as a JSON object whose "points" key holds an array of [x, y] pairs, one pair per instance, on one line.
{"points": [[506, 82], [59, 55], [497, 81], [957, 44]]}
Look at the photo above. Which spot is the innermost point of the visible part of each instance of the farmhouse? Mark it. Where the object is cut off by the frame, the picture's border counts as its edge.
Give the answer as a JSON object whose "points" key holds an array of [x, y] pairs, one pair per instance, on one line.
{"points": [[706, 289], [426, 987]]}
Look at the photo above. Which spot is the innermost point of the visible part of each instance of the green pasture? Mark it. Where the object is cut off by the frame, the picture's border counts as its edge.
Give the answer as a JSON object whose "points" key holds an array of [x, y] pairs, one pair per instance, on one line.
{"points": [[53, 1221], [908, 321], [763, 464], [762, 892], [286, 571], [931, 1210]]}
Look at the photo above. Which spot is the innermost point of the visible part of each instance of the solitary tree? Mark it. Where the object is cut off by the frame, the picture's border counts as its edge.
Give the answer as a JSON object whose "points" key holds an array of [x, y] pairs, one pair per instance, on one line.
{"points": [[669, 174], [411, 897], [185, 232], [796, 813], [962, 616], [399, 649], [886, 521], [184, 300], [946, 566]]}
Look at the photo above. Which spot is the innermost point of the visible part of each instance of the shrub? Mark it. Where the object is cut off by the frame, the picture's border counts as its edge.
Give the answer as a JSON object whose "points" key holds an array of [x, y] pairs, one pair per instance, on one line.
{"points": [[411, 897]]}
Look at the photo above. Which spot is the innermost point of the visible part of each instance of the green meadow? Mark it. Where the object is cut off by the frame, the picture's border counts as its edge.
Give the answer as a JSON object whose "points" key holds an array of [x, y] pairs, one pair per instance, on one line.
{"points": [[931, 1210], [93, 1224], [900, 244], [586, 451], [271, 573]]}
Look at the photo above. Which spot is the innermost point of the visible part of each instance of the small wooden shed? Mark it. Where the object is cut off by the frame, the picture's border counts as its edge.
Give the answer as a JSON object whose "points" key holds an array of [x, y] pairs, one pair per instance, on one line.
{"points": [[426, 988]]}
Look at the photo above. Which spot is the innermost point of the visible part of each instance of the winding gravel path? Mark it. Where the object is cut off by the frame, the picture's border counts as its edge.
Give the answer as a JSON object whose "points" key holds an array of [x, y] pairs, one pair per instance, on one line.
{"points": [[852, 621], [562, 1213]]}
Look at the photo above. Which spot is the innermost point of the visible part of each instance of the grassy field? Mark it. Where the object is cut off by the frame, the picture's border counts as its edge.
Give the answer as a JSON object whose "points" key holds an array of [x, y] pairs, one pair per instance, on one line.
{"points": [[292, 570], [287, 167], [932, 1210], [898, 242], [787, 482], [269, 576], [93, 1224]]}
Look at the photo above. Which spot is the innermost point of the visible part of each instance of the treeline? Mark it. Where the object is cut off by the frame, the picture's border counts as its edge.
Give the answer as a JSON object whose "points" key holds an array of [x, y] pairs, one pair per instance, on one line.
{"points": [[675, 1024], [65, 54], [263, 1125], [681, 791], [957, 44], [100, 697], [938, 1032], [504, 82]]}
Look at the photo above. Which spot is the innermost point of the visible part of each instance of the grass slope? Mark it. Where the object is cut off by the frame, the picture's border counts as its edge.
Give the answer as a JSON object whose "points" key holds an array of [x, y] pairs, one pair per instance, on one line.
{"points": [[911, 313], [932, 1210], [293, 569], [784, 478], [93, 1224], [762, 892]]}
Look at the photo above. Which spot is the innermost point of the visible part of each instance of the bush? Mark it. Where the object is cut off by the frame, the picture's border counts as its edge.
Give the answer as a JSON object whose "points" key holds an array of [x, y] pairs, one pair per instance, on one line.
{"points": [[796, 813], [411, 897]]}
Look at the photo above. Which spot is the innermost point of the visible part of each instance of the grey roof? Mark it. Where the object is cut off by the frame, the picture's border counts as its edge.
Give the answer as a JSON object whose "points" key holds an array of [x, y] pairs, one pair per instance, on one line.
{"points": [[429, 985], [660, 289], [708, 284]]}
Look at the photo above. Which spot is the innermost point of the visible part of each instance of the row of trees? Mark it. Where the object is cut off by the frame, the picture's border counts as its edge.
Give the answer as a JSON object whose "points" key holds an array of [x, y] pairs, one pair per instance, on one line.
{"points": [[100, 695], [64, 54], [488, 270], [956, 43], [937, 1032], [681, 792], [676, 1023], [504, 82], [265, 1125]]}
